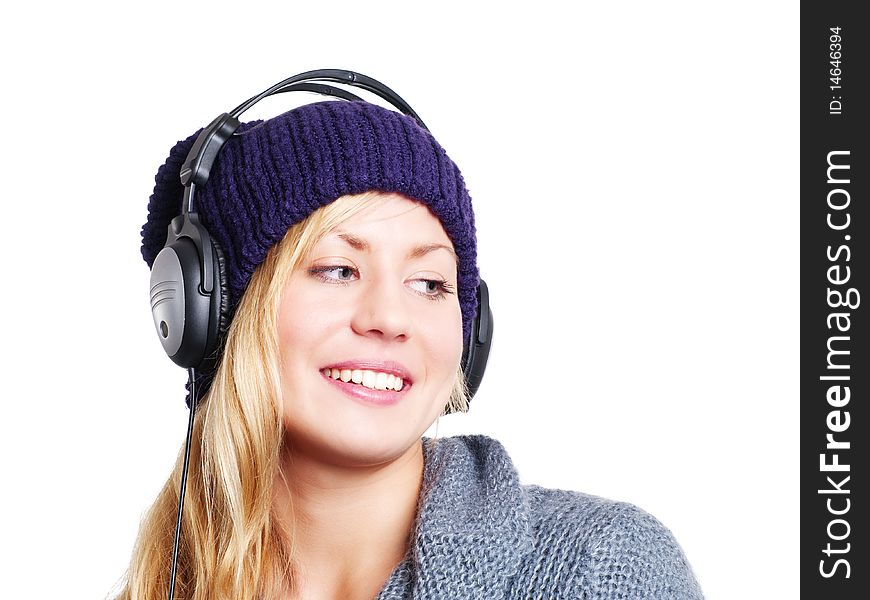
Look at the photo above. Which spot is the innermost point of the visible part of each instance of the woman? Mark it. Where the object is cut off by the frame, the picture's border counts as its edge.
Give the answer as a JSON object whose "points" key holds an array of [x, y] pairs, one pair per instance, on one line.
{"points": [[349, 245]]}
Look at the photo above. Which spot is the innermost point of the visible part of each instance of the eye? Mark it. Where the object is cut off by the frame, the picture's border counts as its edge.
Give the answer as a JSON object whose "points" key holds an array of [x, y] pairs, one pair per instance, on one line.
{"points": [[434, 289], [430, 286], [334, 273]]}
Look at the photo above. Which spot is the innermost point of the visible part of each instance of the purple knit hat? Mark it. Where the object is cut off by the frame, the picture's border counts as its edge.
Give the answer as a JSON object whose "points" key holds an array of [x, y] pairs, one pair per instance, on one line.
{"points": [[279, 171]]}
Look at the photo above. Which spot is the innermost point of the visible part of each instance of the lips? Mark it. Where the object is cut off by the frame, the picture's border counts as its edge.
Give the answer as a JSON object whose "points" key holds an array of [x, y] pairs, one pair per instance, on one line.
{"points": [[384, 366], [364, 395]]}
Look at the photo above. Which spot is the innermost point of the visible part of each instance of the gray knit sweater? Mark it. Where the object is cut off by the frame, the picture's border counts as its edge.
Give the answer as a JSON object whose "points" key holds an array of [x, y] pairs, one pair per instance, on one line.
{"points": [[480, 534]]}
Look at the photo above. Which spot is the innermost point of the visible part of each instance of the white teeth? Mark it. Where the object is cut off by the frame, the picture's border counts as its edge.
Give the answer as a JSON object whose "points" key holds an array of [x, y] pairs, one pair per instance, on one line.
{"points": [[381, 381], [371, 379]]}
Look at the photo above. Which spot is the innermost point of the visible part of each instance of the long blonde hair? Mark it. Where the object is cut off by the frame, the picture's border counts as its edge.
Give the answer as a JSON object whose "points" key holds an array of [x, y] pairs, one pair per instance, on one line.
{"points": [[233, 545]]}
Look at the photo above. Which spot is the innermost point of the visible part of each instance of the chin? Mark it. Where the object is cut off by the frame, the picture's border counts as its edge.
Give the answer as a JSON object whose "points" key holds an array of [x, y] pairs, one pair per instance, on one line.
{"points": [[339, 429], [353, 441]]}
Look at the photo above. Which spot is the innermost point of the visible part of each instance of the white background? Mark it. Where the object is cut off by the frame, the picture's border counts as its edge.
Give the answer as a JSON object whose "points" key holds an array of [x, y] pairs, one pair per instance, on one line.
{"points": [[634, 170]]}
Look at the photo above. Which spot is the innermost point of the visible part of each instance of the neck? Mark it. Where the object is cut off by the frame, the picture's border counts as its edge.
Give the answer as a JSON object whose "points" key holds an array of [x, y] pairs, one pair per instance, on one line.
{"points": [[353, 525]]}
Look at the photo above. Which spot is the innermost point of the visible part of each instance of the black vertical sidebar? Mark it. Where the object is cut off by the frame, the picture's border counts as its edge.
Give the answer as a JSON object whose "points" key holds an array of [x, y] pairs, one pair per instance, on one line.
{"points": [[835, 300]]}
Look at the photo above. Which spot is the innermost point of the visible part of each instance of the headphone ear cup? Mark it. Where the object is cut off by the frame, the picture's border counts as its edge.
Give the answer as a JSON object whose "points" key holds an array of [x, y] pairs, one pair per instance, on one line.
{"points": [[475, 352], [180, 313], [190, 322]]}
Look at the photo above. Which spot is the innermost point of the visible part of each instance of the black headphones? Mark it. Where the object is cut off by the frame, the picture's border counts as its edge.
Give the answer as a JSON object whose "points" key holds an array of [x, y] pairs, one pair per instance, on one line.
{"points": [[188, 276]]}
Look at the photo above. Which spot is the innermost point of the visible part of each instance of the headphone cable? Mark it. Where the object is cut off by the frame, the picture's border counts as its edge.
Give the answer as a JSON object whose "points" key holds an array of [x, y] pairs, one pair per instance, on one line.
{"points": [[192, 384]]}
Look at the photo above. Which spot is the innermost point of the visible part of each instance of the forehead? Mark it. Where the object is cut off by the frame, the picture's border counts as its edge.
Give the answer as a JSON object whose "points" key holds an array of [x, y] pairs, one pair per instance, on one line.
{"points": [[392, 220]]}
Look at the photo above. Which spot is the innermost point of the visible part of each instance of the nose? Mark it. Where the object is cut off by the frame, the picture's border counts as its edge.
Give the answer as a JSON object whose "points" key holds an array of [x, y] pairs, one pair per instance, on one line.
{"points": [[382, 311]]}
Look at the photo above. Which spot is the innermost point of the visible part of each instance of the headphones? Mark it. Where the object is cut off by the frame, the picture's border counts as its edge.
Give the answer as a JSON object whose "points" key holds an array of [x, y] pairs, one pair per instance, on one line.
{"points": [[188, 277]]}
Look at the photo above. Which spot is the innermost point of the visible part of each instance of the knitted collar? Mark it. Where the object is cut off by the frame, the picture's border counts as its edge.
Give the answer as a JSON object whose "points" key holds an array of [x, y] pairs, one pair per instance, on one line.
{"points": [[472, 527]]}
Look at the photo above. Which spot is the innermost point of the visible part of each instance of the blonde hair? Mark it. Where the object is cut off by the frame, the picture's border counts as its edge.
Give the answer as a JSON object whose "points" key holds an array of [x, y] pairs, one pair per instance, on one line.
{"points": [[232, 544]]}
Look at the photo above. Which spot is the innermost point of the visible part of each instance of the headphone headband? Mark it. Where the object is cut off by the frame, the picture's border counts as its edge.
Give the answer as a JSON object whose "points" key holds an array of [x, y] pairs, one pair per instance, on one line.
{"points": [[335, 76], [197, 166]]}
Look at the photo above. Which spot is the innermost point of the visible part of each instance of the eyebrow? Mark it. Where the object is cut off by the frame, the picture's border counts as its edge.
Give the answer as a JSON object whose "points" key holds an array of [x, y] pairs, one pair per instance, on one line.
{"points": [[357, 243]]}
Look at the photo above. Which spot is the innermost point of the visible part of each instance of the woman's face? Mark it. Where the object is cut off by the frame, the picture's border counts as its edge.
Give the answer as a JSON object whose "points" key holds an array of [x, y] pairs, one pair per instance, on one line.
{"points": [[375, 298]]}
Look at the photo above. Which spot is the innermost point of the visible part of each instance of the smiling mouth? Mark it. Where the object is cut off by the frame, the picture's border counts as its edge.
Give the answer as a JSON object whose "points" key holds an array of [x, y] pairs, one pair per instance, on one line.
{"points": [[374, 380]]}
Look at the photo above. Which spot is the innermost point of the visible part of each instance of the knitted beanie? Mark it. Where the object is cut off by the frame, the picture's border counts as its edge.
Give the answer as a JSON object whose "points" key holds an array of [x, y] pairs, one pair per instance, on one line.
{"points": [[275, 173]]}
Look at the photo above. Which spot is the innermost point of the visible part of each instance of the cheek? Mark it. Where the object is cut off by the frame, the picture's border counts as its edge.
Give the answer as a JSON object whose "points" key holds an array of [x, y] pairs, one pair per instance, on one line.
{"points": [[302, 323], [444, 340]]}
